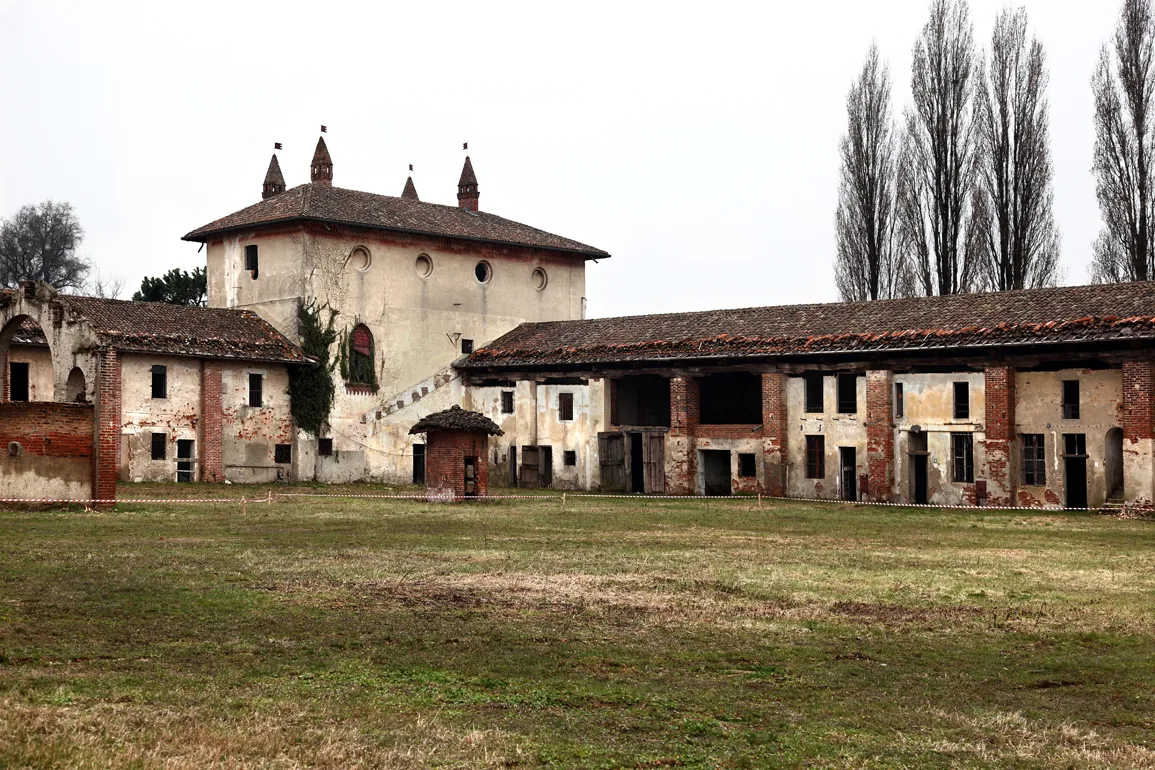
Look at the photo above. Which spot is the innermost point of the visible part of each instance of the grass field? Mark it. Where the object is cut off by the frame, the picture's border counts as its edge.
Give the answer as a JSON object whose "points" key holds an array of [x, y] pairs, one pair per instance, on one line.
{"points": [[354, 633]]}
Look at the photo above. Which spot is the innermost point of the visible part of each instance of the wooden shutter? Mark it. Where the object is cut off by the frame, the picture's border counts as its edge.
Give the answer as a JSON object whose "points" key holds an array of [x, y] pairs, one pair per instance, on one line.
{"points": [[612, 458], [654, 462], [529, 473]]}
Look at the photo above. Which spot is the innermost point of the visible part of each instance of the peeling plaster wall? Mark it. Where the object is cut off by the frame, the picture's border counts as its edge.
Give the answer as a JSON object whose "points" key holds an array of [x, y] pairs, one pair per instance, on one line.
{"points": [[177, 415], [250, 434], [41, 384], [840, 430], [738, 485]]}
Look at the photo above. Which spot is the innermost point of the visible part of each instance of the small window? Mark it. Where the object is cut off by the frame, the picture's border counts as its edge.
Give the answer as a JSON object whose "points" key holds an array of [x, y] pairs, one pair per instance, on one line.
{"points": [[159, 446], [419, 464], [251, 259], [361, 357], [899, 407], [507, 402], [962, 449], [483, 272], [570, 457], [256, 390], [1075, 444], [747, 466], [283, 453], [159, 381], [565, 406], [847, 394], [325, 447], [466, 347], [1034, 460], [962, 401], [815, 457], [424, 266], [814, 395], [1070, 399], [540, 278]]}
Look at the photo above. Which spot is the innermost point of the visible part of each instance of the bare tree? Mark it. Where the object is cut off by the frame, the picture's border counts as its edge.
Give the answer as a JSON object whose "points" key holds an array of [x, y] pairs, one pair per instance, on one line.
{"points": [[106, 287], [39, 243], [937, 158], [1016, 238], [1123, 86], [865, 267]]}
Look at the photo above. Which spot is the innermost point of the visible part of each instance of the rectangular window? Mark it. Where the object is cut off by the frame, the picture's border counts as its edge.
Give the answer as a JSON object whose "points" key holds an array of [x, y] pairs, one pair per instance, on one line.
{"points": [[1070, 399], [747, 466], [256, 390], [325, 447], [159, 446], [962, 450], [159, 381], [507, 402], [466, 346], [283, 453], [565, 406], [1075, 444], [847, 394], [899, 407], [18, 382], [814, 395], [570, 457], [815, 457], [251, 259], [419, 464], [1034, 460], [962, 401]]}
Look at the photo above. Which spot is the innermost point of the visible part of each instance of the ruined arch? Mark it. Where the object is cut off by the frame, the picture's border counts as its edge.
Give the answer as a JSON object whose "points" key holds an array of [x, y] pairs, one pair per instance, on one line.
{"points": [[70, 340], [23, 377], [77, 386]]}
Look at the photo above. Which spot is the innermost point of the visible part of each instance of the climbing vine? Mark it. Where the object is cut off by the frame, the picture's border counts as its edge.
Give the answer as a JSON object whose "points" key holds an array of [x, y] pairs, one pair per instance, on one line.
{"points": [[311, 387]]}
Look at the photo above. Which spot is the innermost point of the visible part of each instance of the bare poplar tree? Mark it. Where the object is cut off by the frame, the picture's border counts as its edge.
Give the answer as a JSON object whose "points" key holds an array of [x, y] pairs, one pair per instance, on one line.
{"points": [[1017, 241], [1123, 86], [865, 266], [936, 179]]}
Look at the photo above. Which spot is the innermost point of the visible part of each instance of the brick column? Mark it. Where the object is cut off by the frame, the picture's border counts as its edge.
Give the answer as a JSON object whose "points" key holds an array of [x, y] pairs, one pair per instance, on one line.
{"points": [[1138, 431], [879, 435], [681, 452], [107, 425], [774, 433], [212, 432], [1001, 474], [5, 393]]}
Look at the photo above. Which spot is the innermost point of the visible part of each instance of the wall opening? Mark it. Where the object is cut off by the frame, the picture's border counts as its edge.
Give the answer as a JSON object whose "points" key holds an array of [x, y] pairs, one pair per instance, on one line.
{"points": [[731, 399], [644, 401], [77, 387], [30, 376], [716, 473], [1113, 459]]}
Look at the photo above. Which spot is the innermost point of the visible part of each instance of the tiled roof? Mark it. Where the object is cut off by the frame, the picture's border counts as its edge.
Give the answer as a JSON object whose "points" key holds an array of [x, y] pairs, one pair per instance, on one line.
{"points": [[1080, 313], [323, 203], [155, 327], [467, 175], [29, 333], [456, 418]]}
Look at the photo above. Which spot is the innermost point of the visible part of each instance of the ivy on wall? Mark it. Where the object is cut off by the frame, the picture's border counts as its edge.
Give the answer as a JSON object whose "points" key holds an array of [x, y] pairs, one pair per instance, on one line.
{"points": [[311, 387]]}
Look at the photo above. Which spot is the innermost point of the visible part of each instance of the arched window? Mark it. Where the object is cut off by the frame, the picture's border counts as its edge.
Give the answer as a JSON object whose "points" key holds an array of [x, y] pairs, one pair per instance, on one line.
{"points": [[361, 356]]}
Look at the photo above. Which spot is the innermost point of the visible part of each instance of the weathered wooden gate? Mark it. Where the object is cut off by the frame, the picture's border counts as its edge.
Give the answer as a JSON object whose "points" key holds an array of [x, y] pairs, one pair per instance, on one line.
{"points": [[654, 460], [529, 468], [612, 458]]}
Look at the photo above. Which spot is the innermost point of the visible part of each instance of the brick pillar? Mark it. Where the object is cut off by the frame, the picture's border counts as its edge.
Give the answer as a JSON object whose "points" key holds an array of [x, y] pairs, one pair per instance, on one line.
{"points": [[681, 452], [107, 425], [5, 393], [1138, 431], [1001, 474], [774, 433], [212, 418], [879, 435]]}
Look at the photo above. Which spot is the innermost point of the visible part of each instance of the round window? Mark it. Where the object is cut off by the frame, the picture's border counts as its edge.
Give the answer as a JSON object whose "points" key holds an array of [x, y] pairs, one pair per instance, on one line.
{"points": [[424, 266], [483, 272], [360, 259], [540, 278]]}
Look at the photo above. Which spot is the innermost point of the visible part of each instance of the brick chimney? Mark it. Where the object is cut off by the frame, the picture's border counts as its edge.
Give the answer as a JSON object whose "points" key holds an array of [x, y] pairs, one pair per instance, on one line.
{"points": [[321, 171], [467, 193], [274, 179]]}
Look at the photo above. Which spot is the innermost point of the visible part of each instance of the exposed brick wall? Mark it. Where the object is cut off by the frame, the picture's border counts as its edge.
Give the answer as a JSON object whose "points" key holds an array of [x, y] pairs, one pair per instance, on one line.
{"points": [[445, 453], [774, 432], [682, 456], [1137, 404], [729, 431], [684, 406], [107, 427], [5, 393], [1000, 434], [47, 429], [212, 433], [879, 434]]}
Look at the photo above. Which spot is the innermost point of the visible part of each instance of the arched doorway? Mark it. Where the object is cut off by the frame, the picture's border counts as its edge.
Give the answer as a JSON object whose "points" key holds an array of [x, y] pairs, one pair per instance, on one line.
{"points": [[27, 362], [1113, 460], [77, 389]]}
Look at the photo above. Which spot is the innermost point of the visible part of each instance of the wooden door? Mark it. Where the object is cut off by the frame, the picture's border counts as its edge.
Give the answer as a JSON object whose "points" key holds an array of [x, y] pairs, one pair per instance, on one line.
{"points": [[529, 472], [612, 459], [654, 458]]}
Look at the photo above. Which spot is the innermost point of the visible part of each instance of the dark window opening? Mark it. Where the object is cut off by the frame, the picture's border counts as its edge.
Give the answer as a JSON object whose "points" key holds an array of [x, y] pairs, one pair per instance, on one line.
{"points": [[256, 390], [962, 450], [730, 399], [815, 398], [159, 381], [1075, 444], [565, 406], [361, 356], [815, 457], [185, 464], [251, 259], [1070, 399], [747, 466], [507, 402], [325, 447], [18, 381], [643, 401], [466, 347], [570, 457], [418, 463], [1034, 460], [962, 401], [848, 394], [283, 453], [159, 446], [899, 407]]}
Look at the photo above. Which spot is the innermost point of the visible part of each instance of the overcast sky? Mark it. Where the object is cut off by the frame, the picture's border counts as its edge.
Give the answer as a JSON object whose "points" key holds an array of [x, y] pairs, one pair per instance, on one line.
{"points": [[695, 143]]}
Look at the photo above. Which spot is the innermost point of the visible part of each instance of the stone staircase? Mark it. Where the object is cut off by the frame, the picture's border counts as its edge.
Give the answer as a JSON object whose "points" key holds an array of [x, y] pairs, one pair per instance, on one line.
{"points": [[1113, 506], [412, 395]]}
